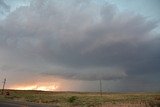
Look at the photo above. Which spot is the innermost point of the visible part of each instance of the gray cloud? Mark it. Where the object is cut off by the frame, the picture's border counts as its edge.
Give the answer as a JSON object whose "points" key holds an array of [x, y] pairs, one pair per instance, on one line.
{"points": [[79, 41], [91, 74], [4, 7]]}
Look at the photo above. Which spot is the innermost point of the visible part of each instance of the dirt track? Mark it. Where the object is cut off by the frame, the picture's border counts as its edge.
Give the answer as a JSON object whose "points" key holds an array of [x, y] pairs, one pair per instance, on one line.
{"points": [[17, 104]]}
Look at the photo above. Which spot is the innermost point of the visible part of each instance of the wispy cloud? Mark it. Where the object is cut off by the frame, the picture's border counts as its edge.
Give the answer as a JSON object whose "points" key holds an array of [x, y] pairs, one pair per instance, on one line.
{"points": [[4, 7]]}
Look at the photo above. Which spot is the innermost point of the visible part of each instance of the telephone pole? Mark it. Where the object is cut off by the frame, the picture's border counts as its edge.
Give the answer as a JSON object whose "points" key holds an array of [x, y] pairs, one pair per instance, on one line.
{"points": [[4, 82], [100, 87]]}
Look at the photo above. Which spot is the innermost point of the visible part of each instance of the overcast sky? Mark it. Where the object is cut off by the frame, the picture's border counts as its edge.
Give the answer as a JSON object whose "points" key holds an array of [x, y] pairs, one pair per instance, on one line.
{"points": [[72, 44]]}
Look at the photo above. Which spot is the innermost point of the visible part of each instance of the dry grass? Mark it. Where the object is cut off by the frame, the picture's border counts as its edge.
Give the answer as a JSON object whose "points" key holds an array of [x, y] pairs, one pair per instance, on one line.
{"points": [[84, 99]]}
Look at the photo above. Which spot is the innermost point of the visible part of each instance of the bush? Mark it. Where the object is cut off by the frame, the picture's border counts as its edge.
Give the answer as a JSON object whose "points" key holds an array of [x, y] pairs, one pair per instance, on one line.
{"points": [[72, 99]]}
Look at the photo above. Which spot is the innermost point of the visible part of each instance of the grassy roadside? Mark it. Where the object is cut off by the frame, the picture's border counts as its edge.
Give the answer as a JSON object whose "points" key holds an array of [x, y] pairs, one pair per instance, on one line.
{"points": [[84, 99]]}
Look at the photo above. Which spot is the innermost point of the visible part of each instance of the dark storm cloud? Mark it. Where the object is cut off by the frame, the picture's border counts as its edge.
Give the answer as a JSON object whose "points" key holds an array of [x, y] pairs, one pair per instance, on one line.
{"points": [[91, 74], [84, 41]]}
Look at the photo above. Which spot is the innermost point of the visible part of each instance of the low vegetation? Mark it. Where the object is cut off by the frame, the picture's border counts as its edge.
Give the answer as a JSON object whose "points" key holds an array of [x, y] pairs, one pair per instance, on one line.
{"points": [[84, 99]]}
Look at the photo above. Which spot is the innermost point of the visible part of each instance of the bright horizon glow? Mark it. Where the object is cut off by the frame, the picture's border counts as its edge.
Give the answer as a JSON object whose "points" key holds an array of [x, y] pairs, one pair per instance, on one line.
{"points": [[37, 87]]}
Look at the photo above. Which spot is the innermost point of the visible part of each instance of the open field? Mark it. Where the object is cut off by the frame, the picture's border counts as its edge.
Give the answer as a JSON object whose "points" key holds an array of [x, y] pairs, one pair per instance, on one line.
{"points": [[85, 99]]}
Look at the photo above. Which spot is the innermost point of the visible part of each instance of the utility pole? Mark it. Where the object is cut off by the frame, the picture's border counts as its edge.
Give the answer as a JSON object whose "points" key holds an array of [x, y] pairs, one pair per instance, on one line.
{"points": [[4, 82], [100, 87]]}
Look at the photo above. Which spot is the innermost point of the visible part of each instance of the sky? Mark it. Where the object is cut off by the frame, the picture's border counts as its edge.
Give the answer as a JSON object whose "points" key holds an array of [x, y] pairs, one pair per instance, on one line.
{"points": [[69, 45]]}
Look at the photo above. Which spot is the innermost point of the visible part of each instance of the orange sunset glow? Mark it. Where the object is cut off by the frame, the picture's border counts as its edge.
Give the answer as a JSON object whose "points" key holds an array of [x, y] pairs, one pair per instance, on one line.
{"points": [[37, 87]]}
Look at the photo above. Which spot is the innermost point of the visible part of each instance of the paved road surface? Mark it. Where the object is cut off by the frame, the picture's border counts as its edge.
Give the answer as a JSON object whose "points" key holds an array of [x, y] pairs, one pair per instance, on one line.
{"points": [[16, 104]]}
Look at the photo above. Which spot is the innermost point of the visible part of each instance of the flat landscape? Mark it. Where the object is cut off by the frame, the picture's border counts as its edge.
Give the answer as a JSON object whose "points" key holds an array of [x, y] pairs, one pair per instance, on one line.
{"points": [[80, 53], [81, 99]]}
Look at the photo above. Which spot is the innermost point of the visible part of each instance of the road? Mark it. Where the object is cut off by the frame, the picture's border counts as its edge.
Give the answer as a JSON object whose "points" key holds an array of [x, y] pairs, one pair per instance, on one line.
{"points": [[18, 104]]}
